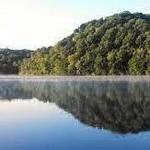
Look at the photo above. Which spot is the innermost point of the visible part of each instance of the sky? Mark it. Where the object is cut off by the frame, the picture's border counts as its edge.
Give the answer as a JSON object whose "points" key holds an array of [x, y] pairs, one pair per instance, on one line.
{"points": [[32, 24]]}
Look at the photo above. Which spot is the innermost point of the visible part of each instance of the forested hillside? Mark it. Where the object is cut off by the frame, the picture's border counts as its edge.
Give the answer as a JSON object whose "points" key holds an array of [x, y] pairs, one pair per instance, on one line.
{"points": [[37, 64], [119, 44], [10, 60], [115, 45]]}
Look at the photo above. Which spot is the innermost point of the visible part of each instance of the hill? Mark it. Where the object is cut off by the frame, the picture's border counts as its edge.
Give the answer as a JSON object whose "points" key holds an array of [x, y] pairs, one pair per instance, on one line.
{"points": [[10, 60], [115, 45]]}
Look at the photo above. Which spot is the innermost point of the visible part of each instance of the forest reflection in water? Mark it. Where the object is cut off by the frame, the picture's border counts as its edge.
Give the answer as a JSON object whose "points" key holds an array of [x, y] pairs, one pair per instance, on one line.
{"points": [[122, 107]]}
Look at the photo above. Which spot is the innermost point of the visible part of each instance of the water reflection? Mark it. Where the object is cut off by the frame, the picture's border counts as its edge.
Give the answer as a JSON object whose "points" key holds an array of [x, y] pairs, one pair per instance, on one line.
{"points": [[121, 107]]}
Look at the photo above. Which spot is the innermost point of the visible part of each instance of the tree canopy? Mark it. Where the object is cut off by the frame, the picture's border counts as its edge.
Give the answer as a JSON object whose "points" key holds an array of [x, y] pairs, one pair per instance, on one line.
{"points": [[10, 60], [115, 45]]}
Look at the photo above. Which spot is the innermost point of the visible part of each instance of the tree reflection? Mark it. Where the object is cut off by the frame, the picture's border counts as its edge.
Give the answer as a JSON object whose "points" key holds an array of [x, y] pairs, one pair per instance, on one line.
{"points": [[122, 107]]}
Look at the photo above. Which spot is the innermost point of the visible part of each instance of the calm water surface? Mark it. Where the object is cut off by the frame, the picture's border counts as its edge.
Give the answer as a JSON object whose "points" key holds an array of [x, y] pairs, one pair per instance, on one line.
{"points": [[74, 115]]}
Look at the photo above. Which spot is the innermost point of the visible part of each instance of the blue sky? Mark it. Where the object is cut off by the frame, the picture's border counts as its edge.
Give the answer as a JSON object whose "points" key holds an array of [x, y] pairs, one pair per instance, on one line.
{"points": [[36, 23]]}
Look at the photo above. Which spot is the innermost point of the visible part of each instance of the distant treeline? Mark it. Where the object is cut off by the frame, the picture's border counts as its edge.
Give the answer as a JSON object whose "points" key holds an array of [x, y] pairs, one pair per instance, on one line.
{"points": [[115, 45], [10, 60]]}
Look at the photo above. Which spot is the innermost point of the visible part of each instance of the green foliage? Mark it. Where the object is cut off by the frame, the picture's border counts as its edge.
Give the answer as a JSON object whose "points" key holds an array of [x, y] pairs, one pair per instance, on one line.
{"points": [[37, 64], [10, 60], [138, 63], [118, 44], [73, 60]]}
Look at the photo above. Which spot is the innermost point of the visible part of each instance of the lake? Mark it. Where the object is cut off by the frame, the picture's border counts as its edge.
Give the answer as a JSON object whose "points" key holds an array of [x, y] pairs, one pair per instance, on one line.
{"points": [[74, 115]]}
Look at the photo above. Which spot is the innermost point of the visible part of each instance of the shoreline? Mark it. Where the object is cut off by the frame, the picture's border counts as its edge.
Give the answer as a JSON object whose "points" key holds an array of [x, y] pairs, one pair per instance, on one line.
{"points": [[73, 78]]}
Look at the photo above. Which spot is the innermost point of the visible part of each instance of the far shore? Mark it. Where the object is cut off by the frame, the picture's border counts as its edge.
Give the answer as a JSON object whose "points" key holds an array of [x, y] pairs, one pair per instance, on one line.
{"points": [[73, 78]]}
